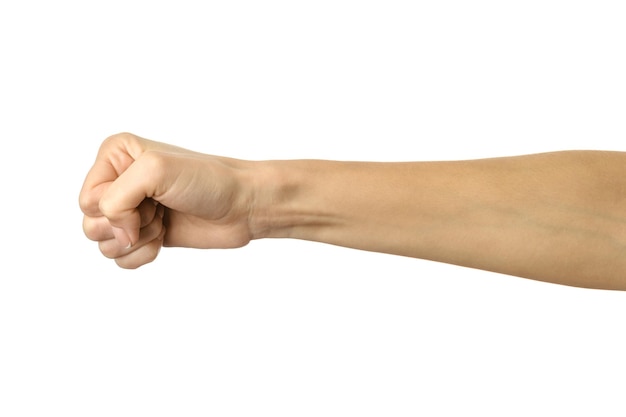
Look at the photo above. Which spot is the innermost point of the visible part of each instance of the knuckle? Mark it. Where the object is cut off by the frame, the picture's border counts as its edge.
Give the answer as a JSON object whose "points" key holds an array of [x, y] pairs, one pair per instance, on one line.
{"points": [[125, 264], [147, 211], [108, 250], [87, 202], [90, 228], [108, 208], [152, 252], [154, 161], [154, 228], [123, 137], [154, 164], [141, 256], [123, 140]]}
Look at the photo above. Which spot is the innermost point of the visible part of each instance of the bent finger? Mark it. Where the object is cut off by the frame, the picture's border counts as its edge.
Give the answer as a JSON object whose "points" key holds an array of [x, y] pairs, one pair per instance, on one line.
{"points": [[122, 198], [144, 255], [97, 228], [111, 248], [100, 229], [115, 155]]}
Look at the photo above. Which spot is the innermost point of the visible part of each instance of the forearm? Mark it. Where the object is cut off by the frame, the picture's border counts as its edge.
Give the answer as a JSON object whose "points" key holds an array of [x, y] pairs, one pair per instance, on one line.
{"points": [[558, 217]]}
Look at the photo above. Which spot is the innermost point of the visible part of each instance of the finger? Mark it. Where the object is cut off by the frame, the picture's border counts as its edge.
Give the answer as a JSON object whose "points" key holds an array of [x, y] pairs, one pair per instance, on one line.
{"points": [[99, 228], [111, 248], [120, 202], [147, 211], [98, 180], [115, 155], [145, 254]]}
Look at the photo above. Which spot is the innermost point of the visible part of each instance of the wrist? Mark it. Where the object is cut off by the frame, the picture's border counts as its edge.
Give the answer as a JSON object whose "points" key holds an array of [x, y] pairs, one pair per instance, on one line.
{"points": [[284, 199]]}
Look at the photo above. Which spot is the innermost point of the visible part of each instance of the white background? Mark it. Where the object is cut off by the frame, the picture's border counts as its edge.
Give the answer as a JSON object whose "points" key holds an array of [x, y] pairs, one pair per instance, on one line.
{"points": [[290, 328]]}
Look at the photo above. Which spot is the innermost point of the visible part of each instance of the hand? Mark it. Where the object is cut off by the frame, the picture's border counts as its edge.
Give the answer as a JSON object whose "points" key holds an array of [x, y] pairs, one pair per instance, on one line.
{"points": [[141, 195]]}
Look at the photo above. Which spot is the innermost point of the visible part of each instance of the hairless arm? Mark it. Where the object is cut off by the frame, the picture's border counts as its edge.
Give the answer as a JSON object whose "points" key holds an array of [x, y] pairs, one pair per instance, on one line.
{"points": [[558, 217]]}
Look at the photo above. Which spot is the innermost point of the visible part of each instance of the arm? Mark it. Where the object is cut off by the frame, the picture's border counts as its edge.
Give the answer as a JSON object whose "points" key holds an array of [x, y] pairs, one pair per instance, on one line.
{"points": [[556, 217]]}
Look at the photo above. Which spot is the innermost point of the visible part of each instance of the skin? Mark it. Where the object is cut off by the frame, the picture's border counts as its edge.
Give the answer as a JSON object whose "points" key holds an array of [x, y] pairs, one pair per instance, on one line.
{"points": [[558, 217]]}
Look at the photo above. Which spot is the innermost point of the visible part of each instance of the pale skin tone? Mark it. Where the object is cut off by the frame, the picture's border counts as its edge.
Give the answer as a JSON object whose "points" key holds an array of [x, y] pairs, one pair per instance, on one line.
{"points": [[558, 217]]}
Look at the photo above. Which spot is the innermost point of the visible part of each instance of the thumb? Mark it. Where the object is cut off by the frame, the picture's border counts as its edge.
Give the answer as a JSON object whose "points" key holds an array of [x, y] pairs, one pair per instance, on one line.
{"points": [[120, 202]]}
